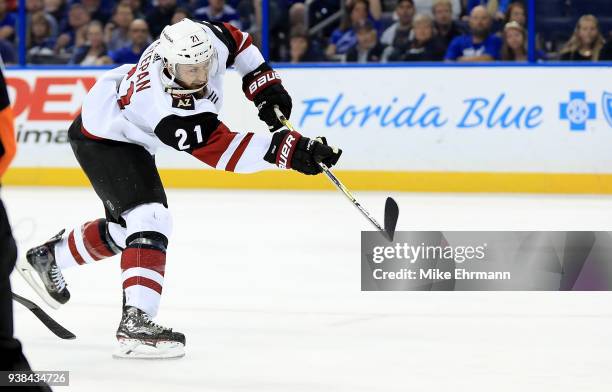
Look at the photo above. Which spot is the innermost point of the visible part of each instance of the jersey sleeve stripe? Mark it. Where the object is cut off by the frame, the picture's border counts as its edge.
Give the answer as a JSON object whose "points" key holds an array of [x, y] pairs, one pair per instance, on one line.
{"points": [[242, 40], [229, 152], [231, 165], [246, 43], [216, 145]]}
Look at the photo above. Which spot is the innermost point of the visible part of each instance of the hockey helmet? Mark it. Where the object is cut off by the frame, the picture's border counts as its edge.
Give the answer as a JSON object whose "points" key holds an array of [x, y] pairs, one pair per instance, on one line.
{"points": [[185, 42]]}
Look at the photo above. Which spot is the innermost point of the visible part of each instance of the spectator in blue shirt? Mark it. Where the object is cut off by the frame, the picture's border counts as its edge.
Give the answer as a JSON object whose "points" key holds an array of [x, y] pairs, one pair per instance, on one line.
{"points": [[357, 13], [7, 22], [139, 34], [74, 29], [480, 44], [218, 11]]}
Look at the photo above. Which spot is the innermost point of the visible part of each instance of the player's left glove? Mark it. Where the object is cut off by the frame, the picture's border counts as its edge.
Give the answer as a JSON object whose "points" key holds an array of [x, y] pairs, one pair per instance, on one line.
{"points": [[263, 86], [290, 150]]}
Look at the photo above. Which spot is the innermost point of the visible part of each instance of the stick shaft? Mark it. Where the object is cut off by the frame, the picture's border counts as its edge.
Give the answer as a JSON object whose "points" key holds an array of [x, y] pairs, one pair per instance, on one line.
{"points": [[333, 178], [349, 195]]}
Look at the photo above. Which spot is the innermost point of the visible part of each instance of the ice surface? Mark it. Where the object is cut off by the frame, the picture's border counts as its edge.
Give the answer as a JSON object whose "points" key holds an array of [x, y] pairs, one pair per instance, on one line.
{"points": [[266, 287]]}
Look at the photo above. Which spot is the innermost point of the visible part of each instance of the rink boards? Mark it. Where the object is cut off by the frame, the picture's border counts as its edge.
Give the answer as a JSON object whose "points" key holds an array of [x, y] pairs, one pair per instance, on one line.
{"points": [[466, 129]]}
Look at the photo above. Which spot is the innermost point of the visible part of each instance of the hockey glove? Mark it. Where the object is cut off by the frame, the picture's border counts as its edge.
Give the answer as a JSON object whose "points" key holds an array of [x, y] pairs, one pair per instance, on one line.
{"points": [[290, 150], [263, 86]]}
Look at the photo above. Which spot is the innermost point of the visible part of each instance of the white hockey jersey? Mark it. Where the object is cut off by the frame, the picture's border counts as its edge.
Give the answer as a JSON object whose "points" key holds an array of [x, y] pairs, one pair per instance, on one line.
{"points": [[129, 104]]}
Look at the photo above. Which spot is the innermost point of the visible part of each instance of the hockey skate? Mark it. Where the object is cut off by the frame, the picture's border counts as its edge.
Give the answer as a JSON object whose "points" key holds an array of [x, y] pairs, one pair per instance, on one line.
{"points": [[41, 271], [141, 338]]}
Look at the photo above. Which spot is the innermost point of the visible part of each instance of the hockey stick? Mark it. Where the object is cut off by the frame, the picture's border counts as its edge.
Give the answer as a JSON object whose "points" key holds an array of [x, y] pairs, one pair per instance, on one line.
{"points": [[391, 207], [53, 325]]}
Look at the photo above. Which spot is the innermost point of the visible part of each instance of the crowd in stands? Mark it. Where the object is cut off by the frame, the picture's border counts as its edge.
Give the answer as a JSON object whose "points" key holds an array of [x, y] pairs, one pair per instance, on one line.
{"points": [[98, 32]]}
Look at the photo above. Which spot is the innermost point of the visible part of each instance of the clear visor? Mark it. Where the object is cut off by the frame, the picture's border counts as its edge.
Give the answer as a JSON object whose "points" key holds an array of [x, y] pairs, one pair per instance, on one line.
{"points": [[193, 74]]}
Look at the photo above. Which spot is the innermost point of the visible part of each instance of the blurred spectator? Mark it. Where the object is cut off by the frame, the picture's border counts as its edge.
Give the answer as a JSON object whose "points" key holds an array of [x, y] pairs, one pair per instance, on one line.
{"points": [[116, 31], [301, 49], [180, 14], [496, 8], [8, 54], [514, 47], [7, 22], [516, 12], [139, 35], [425, 46], [278, 25], [586, 42], [57, 9], [356, 13], [297, 14], [34, 6], [160, 16], [139, 8], [73, 32], [606, 51], [480, 44], [94, 49], [246, 10], [398, 35], [368, 49], [426, 7], [95, 10], [446, 27], [40, 40], [218, 11]]}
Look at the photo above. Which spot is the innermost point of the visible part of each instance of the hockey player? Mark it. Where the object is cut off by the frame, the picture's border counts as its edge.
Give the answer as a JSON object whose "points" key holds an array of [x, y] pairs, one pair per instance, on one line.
{"points": [[172, 96]]}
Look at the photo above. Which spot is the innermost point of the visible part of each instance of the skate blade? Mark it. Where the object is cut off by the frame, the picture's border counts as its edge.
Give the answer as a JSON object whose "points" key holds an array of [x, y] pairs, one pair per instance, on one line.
{"points": [[136, 349], [28, 273]]}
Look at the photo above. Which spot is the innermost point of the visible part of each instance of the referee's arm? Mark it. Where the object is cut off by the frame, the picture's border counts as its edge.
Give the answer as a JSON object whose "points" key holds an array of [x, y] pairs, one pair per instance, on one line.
{"points": [[8, 144]]}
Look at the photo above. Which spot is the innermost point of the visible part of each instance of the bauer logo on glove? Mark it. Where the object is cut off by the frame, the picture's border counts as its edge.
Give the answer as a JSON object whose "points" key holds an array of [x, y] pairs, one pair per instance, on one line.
{"points": [[264, 87], [290, 150]]}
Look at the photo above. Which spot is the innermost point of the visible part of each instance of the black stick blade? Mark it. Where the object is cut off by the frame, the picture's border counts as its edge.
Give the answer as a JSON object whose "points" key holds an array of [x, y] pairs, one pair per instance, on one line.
{"points": [[391, 215], [53, 325]]}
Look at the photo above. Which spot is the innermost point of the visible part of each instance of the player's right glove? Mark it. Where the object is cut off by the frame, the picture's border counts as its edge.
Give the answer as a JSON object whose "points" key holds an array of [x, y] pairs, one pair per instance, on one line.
{"points": [[290, 150]]}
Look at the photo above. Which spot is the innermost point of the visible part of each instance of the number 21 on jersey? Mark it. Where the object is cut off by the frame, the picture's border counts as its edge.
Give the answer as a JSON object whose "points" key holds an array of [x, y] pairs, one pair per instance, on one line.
{"points": [[182, 137]]}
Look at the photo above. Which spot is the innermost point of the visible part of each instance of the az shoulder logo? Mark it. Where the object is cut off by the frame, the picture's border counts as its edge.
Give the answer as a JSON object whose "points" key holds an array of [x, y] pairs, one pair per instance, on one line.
{"points": [[578, 111], [606, 103]]}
